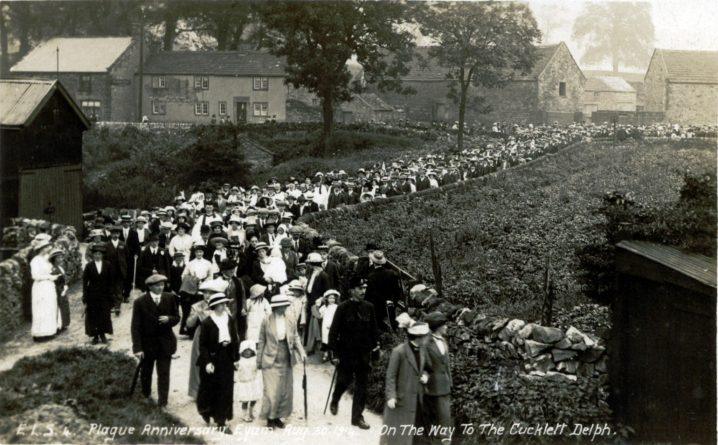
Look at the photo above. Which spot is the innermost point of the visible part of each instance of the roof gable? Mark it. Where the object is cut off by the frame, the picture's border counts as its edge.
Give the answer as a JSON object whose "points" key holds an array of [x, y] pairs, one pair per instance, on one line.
{"points": [[76, 55], [24, 99], [215, 63], [688, 66]]}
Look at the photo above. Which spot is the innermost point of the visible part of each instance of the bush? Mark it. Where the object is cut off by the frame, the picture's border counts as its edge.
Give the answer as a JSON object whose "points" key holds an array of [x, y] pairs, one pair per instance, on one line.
{"points": [[94, 383]]}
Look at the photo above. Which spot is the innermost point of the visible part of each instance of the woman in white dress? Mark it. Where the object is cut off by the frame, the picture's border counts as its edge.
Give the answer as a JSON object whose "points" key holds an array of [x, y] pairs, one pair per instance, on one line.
{"points": [[45, 312], [257, 308]]}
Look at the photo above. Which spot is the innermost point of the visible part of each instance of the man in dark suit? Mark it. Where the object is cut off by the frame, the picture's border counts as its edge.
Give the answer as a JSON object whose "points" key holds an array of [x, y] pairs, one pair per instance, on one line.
{"points": [[383, 290], [353, 337], [306, 205], [437, 391], [116, 255], [293, 206], [290, 258], [237, 294], [153, 259], [153, 316]]}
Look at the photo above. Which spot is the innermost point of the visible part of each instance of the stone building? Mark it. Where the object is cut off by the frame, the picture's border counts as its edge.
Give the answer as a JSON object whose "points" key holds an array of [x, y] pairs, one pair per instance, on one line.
{"points": [[634, 79], [98, 72], [194, 86], [606, 93], [552, 91], [684, 86]]}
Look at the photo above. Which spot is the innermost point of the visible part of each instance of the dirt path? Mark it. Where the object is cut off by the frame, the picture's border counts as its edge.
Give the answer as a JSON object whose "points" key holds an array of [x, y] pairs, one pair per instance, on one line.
{"points": [[318, 429]]}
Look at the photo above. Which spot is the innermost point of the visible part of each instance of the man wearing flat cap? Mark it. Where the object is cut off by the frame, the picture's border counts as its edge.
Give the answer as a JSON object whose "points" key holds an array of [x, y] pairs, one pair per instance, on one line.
{"points": [[353, 336], [153, 316]]}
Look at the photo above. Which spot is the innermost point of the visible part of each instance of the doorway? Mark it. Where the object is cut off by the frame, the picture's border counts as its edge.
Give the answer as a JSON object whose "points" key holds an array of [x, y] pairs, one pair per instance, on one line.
{"points": [[241, 112]]}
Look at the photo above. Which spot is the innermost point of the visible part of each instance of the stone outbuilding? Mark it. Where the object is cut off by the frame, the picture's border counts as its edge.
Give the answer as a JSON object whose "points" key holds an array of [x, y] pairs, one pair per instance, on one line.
{"points": [[607, 93], [551, 91], [684, 86], [98, 72]]}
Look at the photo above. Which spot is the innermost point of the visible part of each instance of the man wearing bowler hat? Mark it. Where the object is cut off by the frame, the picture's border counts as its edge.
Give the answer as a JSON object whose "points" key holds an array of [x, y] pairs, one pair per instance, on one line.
{"points": [[153, 316]]}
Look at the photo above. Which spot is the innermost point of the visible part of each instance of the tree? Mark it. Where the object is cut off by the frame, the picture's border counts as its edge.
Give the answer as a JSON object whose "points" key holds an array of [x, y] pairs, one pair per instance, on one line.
{"points": [[317, 39], [482, 44], [621, 32]]}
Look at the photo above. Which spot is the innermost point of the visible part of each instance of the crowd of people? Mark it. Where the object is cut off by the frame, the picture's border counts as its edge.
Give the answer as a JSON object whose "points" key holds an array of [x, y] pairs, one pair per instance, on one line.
{"points": [[256, 292]]}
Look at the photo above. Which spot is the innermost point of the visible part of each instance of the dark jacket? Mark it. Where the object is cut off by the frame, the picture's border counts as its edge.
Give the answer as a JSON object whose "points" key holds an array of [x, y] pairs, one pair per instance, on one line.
{"points": [[133, 241], [118, 258], [148, 334], [439, 383], [382, 284], [353, 330], [147, 262], [98, 291], [321, 284], [209, 342]]}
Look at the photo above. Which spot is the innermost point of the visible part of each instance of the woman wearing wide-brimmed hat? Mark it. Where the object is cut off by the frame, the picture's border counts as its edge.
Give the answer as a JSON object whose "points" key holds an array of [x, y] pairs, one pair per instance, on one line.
{"points": [[56, 259], [268, 270], [45, 313], [257, 308], [218, 353], [97, 292], [279, 349], [198, 313]]}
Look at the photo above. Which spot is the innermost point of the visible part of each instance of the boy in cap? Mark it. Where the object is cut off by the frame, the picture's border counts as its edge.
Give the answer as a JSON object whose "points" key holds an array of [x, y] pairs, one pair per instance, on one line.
{"points": [[153, 316]]}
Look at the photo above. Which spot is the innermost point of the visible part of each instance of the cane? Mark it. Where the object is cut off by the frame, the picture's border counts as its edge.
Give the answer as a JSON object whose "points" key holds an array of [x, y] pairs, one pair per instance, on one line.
{"points": [[134, 273], [135, 378], [388, 317], [331, 385], [304, 388]]}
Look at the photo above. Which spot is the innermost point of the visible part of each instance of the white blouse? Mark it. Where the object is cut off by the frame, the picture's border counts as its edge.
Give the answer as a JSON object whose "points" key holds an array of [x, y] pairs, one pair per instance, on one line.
{"points": [[222, 325]]}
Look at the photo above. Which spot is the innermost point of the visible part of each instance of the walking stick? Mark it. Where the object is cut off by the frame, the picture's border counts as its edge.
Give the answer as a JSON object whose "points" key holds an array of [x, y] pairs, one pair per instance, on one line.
{"points": [[331, 385], [134, 273], [134, 378], [304, 387]]}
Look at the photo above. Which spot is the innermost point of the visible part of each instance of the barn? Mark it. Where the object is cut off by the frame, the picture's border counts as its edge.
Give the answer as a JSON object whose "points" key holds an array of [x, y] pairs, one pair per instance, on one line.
{"points": [[684, 86], [552, 91], [663, 352], [41, 154]]}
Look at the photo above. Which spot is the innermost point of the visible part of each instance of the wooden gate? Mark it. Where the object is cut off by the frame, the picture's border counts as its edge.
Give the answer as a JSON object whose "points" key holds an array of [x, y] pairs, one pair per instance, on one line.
{"points": [[53, 194]]}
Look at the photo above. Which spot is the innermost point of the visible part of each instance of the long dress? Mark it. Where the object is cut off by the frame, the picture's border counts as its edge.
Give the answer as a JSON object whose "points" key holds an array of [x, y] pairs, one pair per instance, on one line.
{"points": [[216, 390], [97, 294], [257, 310], [45, 313], [197, 315], [63, 302]]}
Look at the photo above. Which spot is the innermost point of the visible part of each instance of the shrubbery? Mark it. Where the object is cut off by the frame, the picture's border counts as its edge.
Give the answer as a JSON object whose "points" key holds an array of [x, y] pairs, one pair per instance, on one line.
{"points": [[93, 384]]}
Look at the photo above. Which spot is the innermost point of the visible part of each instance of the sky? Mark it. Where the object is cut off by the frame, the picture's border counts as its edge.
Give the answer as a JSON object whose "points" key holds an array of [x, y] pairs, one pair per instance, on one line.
{"points": [[684, 24]]}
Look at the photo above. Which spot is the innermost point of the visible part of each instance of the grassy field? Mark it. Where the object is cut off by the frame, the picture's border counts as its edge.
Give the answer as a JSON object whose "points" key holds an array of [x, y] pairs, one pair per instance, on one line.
{"points": [[495, 237], [66, 391]]}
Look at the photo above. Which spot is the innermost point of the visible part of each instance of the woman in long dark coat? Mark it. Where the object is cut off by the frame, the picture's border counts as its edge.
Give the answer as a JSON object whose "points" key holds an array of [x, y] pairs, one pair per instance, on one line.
{"points": [[218, 353], [97, 295], [405, 375]]}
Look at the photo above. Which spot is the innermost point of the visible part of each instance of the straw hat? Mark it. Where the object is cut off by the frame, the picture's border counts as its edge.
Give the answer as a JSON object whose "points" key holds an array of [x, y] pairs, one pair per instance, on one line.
{"points": [[216, 299], [279, 301], [257, 291]]}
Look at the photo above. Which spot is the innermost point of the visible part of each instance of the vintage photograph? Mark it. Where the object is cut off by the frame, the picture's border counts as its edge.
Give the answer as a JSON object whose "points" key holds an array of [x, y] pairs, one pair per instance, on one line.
{"points": [[356, 222]]}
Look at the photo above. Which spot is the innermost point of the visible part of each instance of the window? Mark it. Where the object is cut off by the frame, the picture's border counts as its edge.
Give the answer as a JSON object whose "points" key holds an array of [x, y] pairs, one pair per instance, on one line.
{"points": [[91, 108], [222, 108], [261, 83], [85, 83], [261, 109], [315, 101], [159, 82], [201, 108], [562, 89], [158, 107], [201, 82]]}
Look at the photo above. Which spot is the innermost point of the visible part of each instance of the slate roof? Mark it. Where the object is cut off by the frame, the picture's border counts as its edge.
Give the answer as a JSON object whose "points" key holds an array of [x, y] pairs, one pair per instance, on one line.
{"points": [[422, 68], [698, 267], [23, 99], [215, 63], [77, 55], [375, 102], [629, 77], [688, 66], [608, 83]]}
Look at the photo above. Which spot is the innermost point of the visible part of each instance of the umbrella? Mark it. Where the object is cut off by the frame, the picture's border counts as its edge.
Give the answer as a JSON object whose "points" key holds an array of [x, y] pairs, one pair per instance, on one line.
{"points": [[134, 378], [304, 388]]}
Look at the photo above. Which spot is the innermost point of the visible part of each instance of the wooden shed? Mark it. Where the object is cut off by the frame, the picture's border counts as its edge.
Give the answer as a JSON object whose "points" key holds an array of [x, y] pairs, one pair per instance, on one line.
{"points": [[663, 352], [41, 152]]}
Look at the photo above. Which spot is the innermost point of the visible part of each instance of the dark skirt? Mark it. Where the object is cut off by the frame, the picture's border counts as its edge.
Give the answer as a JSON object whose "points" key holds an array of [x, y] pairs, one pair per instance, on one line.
{"points": [[63, 304], [216, 391], [98, 318]]}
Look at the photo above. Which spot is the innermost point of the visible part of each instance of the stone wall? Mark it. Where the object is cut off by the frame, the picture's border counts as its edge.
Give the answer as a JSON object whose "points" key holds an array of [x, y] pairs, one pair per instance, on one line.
{"points": [[123, 85], [561, 68], [655, 88], [692, 103]]}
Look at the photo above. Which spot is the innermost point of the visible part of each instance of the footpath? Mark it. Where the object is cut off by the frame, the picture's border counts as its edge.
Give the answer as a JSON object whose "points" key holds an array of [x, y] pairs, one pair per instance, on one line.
{"points": [[318, 428]]}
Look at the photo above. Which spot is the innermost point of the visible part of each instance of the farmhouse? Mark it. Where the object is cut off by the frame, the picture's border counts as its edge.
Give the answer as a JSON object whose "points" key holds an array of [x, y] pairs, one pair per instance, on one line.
{"points": [[193, 86], [551, 91], [607, 93], [97, 72], [684, 86], [41, 154]]}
